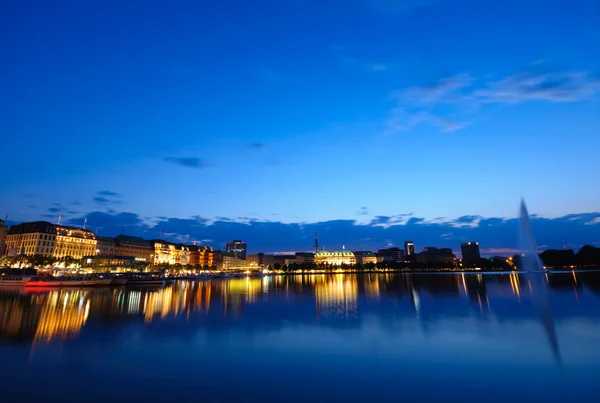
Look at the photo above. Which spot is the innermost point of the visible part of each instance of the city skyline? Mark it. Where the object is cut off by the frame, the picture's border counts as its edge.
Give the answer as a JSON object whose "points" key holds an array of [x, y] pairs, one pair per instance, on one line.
{"points": [[212, 121], [495, 236]]}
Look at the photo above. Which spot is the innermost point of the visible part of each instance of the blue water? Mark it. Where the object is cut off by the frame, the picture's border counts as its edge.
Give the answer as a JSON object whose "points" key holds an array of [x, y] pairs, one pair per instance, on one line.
{"points": [[342, 338]]}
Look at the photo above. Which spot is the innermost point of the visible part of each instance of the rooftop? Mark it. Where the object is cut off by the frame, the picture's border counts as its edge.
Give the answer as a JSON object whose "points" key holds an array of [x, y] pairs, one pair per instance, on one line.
{"points": [[339, 253]]}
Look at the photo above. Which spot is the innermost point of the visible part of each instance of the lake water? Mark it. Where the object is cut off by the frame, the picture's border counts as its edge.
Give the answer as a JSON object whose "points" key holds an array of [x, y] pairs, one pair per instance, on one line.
{"points": [[334, 338]]}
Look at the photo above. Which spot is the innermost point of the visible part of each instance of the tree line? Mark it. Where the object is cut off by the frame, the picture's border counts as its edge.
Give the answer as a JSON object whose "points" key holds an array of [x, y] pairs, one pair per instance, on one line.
{"points": [[587, 256]]}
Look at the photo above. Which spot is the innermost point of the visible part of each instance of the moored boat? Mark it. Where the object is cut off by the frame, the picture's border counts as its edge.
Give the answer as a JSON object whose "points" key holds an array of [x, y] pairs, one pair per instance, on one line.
{"points": [[146, 282], [14, 280], [119, 281], [66, 282]]}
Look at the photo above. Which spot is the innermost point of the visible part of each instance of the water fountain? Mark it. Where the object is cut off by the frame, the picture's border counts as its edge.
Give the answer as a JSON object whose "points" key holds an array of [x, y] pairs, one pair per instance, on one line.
{"points": [[530, 260], [537, 279]]}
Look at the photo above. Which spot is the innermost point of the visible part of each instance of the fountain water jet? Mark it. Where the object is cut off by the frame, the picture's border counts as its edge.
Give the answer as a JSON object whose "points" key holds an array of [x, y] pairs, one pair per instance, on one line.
{"points": [[530, 260], [537, 279]]}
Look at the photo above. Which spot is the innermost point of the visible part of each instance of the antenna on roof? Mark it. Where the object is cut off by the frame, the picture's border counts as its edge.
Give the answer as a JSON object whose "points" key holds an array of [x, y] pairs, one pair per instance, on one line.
{"points": [[316, 242]]}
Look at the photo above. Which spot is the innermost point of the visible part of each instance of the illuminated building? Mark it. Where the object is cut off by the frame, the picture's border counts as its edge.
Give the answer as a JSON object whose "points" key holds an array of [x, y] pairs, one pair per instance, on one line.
{"points": [[3, 231], [50, 240], [336, 258], [409, 248], [139, 248], [203, 256], [105, 246], [107, 263], [470, 252], [365, 257], [391, 254], [74, 242], [169, 253], [230, 262], [253, 260], [236, 249]]}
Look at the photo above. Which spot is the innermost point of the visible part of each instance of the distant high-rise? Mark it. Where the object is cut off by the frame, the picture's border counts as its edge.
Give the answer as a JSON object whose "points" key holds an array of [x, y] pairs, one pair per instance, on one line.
{"points": [[236, 249], [470, 252], [409, 248]]}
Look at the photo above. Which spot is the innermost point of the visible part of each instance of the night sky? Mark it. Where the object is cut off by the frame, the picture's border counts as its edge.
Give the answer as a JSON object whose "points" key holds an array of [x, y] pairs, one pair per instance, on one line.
{"points": [[370, 121]]}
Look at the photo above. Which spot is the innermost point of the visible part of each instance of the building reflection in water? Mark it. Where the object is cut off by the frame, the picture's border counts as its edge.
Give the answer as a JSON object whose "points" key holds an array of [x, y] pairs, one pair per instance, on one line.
{"points": [[336, 296], [60, 315], [63, 315]]}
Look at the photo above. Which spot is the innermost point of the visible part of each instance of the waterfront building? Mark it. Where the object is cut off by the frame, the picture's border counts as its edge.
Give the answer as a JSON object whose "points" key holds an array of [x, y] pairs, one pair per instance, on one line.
{"points": [[236, 249], [74, 242], [391, 254], [271, 260], [301, 258], [365, 257], [108, 263], [50, 240], [126, 245], [203, 256], [253, 260], [3, 232], [261, 259], [105, 246], [231, 262], [432, 254], [470, 252], [169, 253], [409, 248], [335, 258]]}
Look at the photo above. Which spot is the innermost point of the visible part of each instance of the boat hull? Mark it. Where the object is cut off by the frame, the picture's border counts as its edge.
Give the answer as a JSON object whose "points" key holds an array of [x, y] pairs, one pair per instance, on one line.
{"points": [[118, 281], [146, 282], [68, 283]]}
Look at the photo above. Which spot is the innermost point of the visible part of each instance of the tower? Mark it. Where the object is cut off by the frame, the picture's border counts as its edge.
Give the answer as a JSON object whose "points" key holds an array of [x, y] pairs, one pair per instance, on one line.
{"points": [[316, 242]]}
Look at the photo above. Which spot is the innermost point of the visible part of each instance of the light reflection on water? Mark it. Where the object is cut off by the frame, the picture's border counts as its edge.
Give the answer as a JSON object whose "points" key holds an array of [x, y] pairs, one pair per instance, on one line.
{"points": [[357, 325]]}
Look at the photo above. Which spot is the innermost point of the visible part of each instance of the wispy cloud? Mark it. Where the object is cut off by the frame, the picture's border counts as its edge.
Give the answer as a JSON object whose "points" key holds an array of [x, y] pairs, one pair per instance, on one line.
{"points": [[449, 103], [556, 86], [363, 211], [105, 201], [107, 193], [188, 162], [256, 146]]}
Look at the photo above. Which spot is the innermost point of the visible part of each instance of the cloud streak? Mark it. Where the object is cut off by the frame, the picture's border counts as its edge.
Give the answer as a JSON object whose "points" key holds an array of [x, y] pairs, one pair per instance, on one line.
{"points": [[449, 103], [107, 193], [187, 162]]}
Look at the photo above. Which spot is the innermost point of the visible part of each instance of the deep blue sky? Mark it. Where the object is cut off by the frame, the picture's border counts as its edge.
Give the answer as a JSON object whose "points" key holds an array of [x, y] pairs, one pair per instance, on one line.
{"points": [[299, 111]]}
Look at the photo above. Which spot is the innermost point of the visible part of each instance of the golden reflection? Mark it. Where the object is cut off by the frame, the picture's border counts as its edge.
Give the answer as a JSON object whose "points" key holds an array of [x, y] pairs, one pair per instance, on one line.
{"points": [[337, 296], [63, 316], [514, 283], [372, 286]]}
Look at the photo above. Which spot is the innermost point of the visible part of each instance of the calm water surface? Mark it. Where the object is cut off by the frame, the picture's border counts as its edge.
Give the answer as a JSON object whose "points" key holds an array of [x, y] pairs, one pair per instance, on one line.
{"points": [[342, 338]]}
